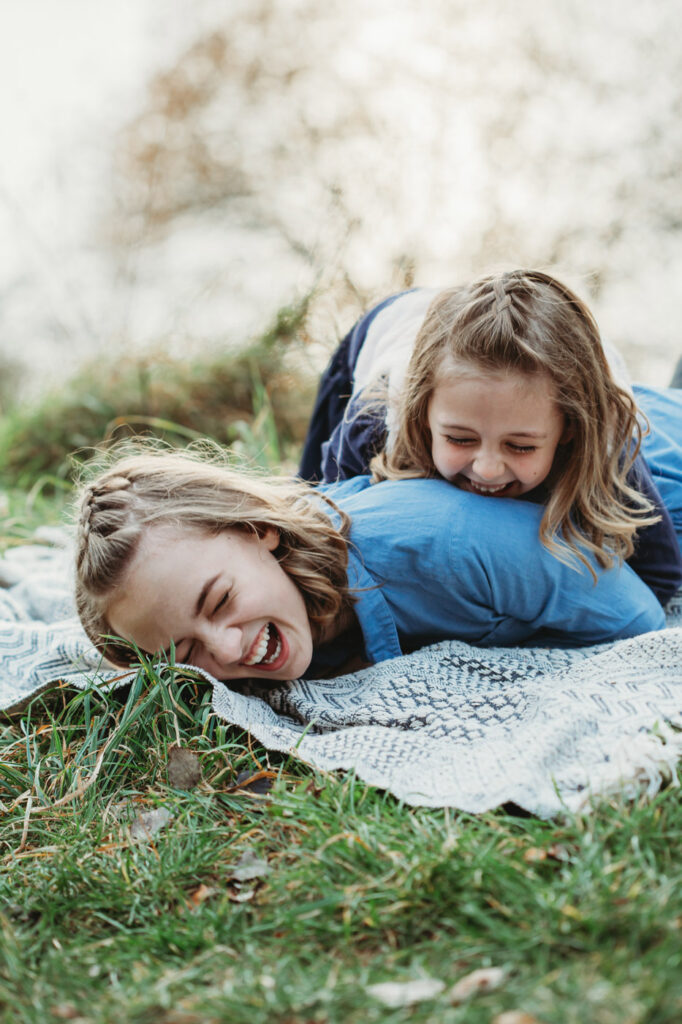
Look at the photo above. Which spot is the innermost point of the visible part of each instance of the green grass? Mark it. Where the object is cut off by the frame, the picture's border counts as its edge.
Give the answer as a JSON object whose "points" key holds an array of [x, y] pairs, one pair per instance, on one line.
{"points": [[176, 399], [96, 925], [584, 915]]}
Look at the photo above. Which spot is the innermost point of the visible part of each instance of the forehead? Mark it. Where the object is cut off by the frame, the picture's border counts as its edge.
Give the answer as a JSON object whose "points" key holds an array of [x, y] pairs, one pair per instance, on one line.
{"points": [[166, 542], [464, 388], [167, 550], [451, 368], [469, 378]]}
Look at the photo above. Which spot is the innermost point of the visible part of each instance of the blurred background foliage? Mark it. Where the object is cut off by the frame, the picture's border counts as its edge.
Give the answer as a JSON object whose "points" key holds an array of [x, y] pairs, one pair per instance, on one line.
{"points": [[255, 400]]}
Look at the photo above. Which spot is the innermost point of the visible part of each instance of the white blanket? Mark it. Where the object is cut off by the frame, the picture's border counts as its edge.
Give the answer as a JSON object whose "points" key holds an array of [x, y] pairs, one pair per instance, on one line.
{"points": [[451, 725]]}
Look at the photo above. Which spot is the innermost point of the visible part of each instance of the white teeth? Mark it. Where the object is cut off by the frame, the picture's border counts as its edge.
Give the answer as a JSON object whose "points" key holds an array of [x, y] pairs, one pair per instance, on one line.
{"points": [[487, 490], [275, 653], [261, 649]]}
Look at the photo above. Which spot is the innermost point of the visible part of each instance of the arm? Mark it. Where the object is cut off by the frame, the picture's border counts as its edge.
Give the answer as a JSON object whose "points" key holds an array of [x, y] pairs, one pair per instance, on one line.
{"points": [[327, 455], [354, 441]]}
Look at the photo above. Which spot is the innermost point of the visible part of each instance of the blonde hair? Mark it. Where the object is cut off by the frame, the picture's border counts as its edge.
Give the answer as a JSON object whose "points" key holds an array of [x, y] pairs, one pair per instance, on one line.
{"points": [[182, 489], [526, 321]]}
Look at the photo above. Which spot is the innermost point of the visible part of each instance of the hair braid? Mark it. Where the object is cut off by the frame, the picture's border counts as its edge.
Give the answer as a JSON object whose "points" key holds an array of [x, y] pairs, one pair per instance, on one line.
{"points": [[502, 297]]}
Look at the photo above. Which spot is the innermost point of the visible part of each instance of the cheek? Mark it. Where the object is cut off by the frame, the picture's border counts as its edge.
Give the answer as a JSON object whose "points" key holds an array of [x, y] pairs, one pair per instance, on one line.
{"points": [[446, 455], [538, 469]]}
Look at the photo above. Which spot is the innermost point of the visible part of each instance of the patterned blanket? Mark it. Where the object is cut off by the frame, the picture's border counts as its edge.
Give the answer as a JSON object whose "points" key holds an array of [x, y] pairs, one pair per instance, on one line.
{"points": [[450, 725]]}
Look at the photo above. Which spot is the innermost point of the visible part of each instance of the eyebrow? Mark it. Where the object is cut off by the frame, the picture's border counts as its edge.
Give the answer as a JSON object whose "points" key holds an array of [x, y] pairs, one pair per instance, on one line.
{"points": [[528, 433], [204, 594], [512, 433]]}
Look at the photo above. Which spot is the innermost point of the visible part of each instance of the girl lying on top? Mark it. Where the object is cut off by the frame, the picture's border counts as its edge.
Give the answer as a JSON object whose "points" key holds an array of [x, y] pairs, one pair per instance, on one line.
{"points": [[503, 388]]}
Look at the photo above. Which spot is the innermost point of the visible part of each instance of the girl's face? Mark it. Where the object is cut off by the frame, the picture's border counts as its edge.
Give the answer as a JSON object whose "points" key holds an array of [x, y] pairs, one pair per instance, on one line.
{"points": [[494, 433], [224, 601]]}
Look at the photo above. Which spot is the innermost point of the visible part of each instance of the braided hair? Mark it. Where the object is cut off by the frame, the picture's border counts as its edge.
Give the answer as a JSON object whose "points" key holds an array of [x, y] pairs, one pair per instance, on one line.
{"points": [[526, 321]]}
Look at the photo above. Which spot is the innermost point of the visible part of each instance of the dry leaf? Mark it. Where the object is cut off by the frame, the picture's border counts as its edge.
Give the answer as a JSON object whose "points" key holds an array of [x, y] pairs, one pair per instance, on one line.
{"points": [[484, 980], [405, 993], [64, 1011], [201, 894], [249, 866], [515, 1017], [148, 823], [259, 782], [236, 895], [558, 852], [310, 788], [534, 854], [537, 853], [184, 770]]}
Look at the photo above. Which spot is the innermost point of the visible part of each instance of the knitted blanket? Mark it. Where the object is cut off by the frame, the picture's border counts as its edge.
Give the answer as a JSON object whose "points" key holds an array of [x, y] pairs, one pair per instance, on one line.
{"points": [[450, 725]]}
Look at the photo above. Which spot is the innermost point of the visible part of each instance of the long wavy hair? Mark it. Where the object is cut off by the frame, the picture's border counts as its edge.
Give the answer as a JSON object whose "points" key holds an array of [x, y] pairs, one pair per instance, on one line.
{"points": [[183, 489], [526, 321]]}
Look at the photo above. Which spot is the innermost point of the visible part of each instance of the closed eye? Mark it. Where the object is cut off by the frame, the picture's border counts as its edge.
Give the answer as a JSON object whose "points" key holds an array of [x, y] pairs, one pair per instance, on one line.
{"points": [[460, 440], [522, 448], [220, 603], [188, 656]]}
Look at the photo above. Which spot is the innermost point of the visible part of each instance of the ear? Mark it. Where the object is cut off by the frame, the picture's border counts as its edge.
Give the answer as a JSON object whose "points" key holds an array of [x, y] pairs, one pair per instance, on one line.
{"points": [[270, 538]]}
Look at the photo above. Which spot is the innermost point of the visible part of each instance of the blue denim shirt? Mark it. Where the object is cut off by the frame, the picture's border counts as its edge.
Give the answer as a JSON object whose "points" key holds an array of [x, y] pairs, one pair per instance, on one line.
{"points": [[429, 562]]}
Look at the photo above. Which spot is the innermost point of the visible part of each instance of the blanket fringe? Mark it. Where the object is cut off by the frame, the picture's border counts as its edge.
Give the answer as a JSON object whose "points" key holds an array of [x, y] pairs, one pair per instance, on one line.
{"points": [[638, 766]]}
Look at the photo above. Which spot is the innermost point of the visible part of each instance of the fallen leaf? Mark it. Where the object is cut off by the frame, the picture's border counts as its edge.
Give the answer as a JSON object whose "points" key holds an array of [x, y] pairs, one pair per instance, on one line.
{"points": [[515, 1017], [478, 982], [64, 1011], [310, 788], [259, 782], [184, 770], [534, 854], [558, 852], [249, 866], [405, 993], [148, 823], [236, 895], [201, 894]]}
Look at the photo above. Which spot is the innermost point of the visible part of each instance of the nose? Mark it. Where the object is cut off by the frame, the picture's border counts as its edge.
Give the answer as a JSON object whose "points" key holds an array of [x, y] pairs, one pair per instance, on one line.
{"points": [[488, 464], [224, 644]]}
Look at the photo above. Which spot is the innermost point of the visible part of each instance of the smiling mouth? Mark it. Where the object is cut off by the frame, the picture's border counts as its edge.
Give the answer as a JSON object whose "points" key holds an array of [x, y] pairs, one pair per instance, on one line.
{"points": [[266, 648], [496, 490]]}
